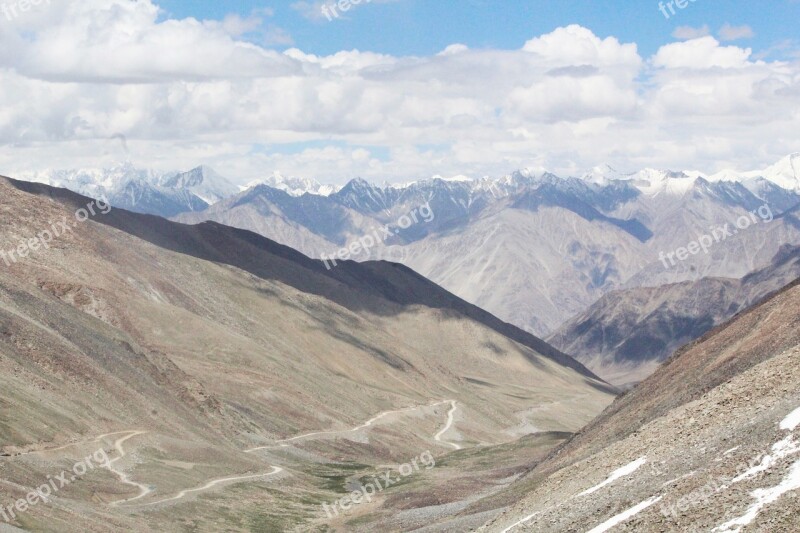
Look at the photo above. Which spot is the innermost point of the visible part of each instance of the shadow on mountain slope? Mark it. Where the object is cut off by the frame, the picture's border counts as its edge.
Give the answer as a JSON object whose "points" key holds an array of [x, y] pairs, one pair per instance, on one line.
{"points": [[356, 286]]}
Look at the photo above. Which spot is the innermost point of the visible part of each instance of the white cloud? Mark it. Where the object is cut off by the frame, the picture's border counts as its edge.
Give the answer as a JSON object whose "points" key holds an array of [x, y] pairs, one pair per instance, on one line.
{"points": [[734, 33], [183, 92], [454, 49], [701, 53], [576, 45], [689, 32], [122, 42]]}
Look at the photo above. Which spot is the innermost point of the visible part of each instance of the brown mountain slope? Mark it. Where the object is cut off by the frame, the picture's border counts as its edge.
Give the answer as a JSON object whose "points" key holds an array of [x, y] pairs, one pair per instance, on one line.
{"points": [[627, 334], [359, 284], [711, 440], [237, 385]]}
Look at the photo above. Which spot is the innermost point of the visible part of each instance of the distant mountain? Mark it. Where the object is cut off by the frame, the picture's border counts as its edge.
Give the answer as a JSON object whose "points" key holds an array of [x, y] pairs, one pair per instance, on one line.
{"points": [[294, 186], [141, 190], [785, 173], [203, 182], [531, 247], [144, 197], [628, 333]]}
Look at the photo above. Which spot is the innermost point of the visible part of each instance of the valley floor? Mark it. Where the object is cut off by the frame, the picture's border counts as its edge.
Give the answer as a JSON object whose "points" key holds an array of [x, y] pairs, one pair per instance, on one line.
{"points": [[299, 490]]}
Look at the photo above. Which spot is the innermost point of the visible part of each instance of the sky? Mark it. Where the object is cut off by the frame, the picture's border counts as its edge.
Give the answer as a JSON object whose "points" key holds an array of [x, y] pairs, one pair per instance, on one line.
{"points": [[395, 90]]}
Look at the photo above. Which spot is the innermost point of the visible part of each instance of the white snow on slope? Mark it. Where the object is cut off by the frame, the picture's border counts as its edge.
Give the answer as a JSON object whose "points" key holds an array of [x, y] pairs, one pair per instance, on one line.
{"points": [[780, 449], [792, 420], [616, 474], [293, 186], [526, 519], [785, 173], [766, 496], [624, 516], [763, 498]]}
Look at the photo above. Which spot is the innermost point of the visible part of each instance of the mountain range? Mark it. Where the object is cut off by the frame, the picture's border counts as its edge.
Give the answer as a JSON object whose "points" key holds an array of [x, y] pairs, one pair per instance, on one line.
{"points": [[533, 248]]}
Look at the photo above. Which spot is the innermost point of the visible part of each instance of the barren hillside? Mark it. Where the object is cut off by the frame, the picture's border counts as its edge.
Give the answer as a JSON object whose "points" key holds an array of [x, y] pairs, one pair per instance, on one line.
{"points": [[707, 443], [237, 385]]}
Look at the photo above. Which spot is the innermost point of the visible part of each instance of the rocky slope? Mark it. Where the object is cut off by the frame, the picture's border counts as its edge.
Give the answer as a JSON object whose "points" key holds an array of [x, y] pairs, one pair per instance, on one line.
{"points": [[627, 333], [710, 442], [236, 384]]}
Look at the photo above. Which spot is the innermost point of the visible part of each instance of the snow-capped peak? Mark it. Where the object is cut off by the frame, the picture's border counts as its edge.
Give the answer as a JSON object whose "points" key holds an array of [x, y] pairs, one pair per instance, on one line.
{"points": [[203, 182], [459, 178], [602, 174], [785, 173], [92, 181], [294, 186], [653, 182]]}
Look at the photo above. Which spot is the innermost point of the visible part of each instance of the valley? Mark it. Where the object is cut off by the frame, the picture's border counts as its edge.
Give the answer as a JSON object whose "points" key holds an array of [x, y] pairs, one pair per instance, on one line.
{"points": [[232, 389]]}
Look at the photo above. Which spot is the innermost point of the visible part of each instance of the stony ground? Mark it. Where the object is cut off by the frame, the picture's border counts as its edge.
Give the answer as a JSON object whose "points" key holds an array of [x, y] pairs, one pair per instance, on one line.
{"points": [[699, 458]]}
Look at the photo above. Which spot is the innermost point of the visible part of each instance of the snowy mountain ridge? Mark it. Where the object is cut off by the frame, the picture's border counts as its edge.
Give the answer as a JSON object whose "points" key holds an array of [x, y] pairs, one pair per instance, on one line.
{"points": [[210, 187]]}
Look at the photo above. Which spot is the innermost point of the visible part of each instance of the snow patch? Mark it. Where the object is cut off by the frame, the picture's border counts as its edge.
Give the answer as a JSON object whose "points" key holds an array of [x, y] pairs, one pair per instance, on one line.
{"points": [[616, 474], [780, 449], [673, 481], [763, 498], [526, 519], [728, 452], [624, 516], [792, 420]]}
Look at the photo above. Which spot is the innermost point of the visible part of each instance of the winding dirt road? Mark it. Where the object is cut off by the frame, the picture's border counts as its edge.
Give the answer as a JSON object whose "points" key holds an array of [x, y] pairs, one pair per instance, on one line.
{"points": [[284, 443], [446, 428], [70, 445], [212, 484], [144, 490], [123, 477]]}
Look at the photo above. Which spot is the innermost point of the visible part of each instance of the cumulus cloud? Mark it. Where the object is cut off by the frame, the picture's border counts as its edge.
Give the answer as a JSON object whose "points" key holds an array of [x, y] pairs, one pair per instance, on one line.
{"points": [[702, 53], [123, 42], [184, 92], [576, 45]]}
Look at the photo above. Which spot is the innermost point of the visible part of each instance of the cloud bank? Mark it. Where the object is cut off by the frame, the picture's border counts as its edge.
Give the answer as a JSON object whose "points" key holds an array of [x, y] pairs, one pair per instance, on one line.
{"points": [[78, 76]]}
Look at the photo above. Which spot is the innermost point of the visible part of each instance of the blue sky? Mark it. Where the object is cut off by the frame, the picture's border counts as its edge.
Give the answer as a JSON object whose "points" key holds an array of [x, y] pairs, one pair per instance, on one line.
{"points": [[423, 27]]}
